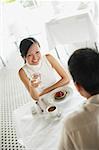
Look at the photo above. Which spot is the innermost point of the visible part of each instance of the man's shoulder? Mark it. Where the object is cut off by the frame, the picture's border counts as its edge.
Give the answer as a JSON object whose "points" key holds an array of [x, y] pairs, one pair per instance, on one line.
{"points": [[75, 119]]}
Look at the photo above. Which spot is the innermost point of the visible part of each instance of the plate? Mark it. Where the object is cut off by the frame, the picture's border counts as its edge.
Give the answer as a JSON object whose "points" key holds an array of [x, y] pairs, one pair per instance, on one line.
{"points": [[67, 92]]}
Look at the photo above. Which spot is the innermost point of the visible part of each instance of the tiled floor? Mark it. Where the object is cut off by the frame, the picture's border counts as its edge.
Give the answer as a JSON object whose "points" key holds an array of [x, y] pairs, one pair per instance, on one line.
{"points": [[12, 95]]}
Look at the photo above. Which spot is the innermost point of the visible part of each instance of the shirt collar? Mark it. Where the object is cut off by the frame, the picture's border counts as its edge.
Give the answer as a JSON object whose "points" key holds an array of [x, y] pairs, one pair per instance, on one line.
{"points": [[94, 99], [92, 103]]}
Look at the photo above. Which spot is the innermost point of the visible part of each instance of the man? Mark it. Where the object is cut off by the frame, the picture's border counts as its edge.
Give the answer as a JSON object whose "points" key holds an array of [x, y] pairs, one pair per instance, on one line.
{"points": [[81, 128]]}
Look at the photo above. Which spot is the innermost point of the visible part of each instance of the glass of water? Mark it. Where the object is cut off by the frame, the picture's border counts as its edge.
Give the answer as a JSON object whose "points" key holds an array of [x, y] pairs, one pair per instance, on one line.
{"points": [[37, 77]]}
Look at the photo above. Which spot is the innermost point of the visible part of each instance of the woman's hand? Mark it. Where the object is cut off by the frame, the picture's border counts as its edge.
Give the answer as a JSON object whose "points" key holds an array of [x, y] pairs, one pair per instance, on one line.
{"points": [[34, 83], [30, 85]]}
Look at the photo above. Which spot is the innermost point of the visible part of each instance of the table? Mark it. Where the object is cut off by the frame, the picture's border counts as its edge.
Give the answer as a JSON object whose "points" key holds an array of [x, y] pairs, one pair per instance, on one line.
{"points": [[36, 132], [74, 28]]}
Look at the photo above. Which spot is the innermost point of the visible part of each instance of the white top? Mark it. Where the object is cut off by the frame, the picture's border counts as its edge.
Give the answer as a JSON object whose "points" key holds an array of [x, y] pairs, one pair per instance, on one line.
{"points": [[46, 71]]}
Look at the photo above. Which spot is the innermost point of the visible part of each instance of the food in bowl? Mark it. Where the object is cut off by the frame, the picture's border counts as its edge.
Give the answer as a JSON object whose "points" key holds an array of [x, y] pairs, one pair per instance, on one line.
{"points": [[60, 94]]}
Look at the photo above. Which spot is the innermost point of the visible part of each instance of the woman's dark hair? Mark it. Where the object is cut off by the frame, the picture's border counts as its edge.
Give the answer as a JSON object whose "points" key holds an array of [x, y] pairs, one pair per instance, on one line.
{"points": [[25, 44], [84, 68]]}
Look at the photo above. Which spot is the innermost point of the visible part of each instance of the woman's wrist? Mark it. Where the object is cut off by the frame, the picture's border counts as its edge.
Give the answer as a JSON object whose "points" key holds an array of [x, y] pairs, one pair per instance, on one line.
{"points": [[45, 91], [34, 93]]}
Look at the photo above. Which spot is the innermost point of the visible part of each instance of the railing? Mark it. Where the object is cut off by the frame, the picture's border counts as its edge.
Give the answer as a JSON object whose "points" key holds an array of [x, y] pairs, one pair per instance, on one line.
{"points": [[2, 61]]}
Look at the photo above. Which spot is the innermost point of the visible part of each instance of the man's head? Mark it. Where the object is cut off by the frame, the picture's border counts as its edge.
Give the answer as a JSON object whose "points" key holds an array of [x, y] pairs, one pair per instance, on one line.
{"points": [[84, 69]]}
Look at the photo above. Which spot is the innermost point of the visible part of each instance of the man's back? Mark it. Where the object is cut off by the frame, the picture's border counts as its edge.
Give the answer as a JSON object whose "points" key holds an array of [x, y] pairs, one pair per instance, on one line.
{"points": [[81, 128]]}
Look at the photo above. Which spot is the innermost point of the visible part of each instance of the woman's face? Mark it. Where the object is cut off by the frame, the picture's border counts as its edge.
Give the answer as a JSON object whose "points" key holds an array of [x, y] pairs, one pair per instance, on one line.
{"points": [[33, 55]]}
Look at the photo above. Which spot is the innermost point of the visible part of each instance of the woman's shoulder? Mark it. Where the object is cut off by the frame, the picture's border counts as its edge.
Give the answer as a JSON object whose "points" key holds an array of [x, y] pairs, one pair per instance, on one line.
{"points": [[49, 57], [20, 71], [23, 68]]}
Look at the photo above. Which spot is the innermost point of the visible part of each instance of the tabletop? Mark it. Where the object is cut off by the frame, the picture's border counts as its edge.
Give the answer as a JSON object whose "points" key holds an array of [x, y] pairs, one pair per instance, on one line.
{"points": [[41, 132]]}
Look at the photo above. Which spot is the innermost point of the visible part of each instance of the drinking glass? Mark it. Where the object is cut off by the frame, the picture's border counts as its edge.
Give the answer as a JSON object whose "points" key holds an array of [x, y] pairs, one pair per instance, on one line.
{"points": [[37, 77]]}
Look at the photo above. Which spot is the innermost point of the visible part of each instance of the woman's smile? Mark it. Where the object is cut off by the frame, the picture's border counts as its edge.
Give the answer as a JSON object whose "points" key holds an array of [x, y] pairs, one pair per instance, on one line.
{"points": [[35, 61]]}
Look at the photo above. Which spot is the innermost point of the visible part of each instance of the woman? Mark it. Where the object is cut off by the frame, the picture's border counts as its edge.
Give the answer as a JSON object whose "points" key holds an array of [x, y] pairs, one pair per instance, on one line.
{"points": [[44, 65]]}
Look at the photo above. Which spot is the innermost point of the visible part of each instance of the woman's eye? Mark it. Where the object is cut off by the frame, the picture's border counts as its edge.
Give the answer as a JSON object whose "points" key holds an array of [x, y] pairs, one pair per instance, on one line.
{"points": [[37, 52], [29, 55]]}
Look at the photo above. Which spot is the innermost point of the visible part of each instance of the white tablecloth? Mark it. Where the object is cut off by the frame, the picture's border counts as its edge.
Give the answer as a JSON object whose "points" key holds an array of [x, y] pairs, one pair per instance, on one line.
{"points": [[38, 132]]}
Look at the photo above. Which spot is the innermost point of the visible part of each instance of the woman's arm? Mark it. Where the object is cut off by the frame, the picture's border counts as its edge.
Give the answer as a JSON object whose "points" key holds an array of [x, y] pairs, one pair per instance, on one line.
{"points": [[59, 69], [28, 84]]}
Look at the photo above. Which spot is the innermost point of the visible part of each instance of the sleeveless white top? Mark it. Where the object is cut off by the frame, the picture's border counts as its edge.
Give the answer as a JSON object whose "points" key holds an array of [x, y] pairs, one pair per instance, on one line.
{"points": [[47, 72]]}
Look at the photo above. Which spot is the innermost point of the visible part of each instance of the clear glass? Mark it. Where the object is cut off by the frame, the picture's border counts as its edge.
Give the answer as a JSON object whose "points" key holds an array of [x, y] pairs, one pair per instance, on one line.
{"points": [[36, 77]]}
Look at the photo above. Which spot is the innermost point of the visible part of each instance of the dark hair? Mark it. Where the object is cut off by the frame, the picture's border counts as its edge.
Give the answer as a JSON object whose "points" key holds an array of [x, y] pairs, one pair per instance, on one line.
{"points": [[25, 44], [84, 68]]}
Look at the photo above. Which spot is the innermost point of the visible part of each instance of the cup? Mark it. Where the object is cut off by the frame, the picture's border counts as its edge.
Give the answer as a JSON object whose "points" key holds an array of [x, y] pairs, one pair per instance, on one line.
{"points": [[52, 110]]}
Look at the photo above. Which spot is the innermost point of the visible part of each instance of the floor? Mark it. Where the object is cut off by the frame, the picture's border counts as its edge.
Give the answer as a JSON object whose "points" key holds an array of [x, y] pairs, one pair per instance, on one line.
{"points": [[12, 95]]}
